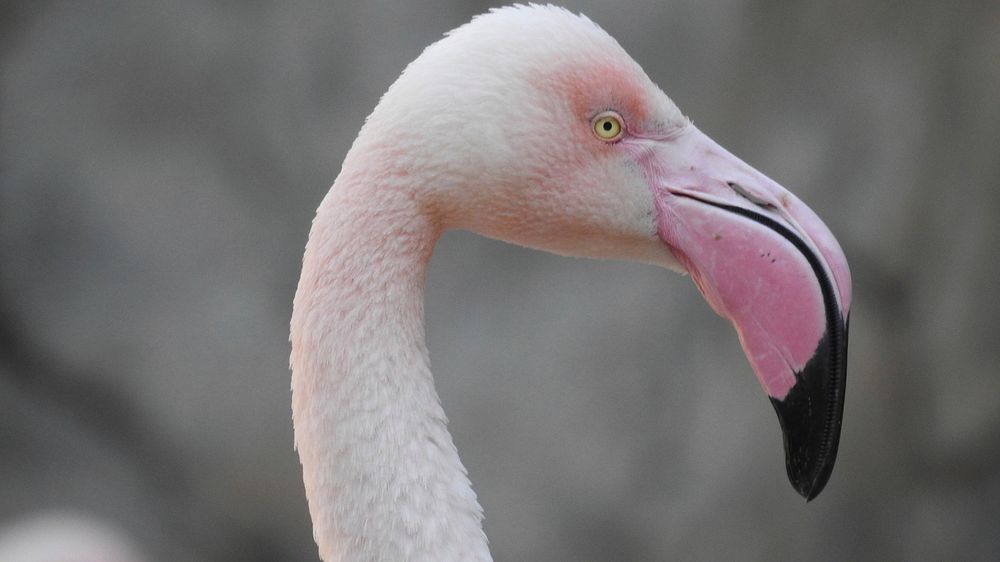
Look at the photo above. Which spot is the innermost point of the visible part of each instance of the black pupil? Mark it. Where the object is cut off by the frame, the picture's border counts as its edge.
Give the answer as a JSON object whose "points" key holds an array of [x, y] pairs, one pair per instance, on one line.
{"points": [[607, 125]]}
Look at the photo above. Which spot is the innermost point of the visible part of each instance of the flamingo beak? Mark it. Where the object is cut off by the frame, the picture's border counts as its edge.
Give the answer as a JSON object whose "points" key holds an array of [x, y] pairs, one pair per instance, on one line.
{"points": [[768, 264]]}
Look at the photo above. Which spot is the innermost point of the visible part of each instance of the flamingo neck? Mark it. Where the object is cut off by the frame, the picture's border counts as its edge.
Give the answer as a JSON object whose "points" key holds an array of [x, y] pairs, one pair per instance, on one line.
{"points": [[381, 472]]}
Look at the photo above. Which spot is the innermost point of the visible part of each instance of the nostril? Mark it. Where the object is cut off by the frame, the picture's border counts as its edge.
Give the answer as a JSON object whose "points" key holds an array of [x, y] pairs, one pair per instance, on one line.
{"points": [[743, 192]]}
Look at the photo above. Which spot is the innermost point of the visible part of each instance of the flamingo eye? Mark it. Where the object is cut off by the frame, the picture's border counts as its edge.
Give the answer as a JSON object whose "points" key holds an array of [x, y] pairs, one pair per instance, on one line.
{"points": [[608, 126]]}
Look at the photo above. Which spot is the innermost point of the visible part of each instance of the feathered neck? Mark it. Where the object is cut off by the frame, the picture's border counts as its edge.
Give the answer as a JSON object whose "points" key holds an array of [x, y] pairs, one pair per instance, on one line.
{"points": [[381, 473]]}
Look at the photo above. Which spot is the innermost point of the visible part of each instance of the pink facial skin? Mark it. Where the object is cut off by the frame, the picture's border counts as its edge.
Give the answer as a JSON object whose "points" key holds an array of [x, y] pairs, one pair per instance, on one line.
{"points": [[749, 273]]}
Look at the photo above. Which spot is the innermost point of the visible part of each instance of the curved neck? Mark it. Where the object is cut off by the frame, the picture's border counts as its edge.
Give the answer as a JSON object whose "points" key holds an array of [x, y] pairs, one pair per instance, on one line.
{"points": [[381, 473]]}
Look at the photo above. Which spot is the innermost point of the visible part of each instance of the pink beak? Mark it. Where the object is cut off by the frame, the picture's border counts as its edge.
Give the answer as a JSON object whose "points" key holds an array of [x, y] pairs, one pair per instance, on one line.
{"points": [[768, 264]]}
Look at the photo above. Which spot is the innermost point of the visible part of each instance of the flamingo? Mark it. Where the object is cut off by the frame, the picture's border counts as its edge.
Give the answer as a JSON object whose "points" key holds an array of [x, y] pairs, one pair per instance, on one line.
{"points": [[531, 125]]}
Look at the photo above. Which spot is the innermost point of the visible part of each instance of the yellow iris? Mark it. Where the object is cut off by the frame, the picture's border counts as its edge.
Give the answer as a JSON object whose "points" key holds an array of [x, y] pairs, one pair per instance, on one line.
{"points": [[608, 126]]}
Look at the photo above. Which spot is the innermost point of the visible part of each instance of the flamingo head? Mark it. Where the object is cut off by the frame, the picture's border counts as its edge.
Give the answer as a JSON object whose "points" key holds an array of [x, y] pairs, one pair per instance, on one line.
{"points": [[532, 125]]}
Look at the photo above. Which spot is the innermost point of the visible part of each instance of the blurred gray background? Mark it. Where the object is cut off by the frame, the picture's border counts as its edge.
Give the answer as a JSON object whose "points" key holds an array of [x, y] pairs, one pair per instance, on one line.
{"points": [[160, 163]]}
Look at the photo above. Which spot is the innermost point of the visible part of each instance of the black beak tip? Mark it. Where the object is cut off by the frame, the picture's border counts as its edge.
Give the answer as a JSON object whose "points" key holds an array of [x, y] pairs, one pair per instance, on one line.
{"points": [[809, 487], [811, 414]]}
